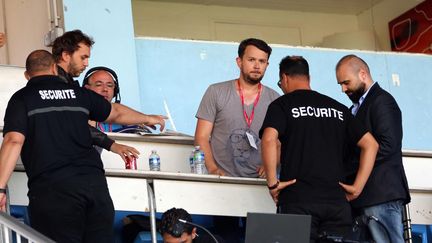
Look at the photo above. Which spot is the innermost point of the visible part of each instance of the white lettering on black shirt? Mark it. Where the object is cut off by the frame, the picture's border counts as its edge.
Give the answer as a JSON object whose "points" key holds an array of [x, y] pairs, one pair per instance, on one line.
{"points": [[305, 111], [60, 94]]}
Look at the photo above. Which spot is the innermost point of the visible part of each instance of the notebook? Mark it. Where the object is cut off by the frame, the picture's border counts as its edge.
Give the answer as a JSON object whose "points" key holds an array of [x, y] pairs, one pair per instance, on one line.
{"points": [[277, 228]]}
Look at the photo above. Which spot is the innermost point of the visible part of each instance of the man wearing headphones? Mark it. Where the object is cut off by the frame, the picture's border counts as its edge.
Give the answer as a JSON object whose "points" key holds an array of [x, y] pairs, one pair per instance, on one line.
{"points": [[173, 228], [104, 81]]}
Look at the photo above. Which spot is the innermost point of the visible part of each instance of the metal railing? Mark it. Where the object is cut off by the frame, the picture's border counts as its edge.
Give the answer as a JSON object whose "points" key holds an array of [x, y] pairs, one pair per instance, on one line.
{"points": [[406, 221], [13, 230]]}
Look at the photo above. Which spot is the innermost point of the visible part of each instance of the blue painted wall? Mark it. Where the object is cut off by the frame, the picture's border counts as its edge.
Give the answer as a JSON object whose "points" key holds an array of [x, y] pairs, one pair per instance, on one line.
{"points": [[110, 24], [178, 73], [153, 72]]}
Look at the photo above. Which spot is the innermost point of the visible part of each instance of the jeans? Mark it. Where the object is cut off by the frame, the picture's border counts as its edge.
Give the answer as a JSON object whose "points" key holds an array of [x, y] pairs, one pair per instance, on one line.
{"points": [[389, 223]]}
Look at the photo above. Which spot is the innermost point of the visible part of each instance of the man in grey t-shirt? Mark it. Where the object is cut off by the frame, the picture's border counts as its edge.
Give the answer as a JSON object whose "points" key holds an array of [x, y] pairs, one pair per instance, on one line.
{"points": [[231, 114]]}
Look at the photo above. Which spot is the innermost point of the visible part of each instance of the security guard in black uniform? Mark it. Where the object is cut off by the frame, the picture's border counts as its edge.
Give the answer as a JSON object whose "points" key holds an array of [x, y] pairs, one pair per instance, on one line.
{"points": [[46, 121]]}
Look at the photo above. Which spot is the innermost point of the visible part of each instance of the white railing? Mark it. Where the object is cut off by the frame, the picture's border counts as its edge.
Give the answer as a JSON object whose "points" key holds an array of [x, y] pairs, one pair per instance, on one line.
{"points": [[13, 230]]}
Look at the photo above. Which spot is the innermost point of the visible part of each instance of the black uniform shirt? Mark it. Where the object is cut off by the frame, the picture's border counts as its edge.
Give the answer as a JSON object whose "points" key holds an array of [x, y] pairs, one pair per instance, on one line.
{"points": [[99, 138], [53, 116], [313, 130]]}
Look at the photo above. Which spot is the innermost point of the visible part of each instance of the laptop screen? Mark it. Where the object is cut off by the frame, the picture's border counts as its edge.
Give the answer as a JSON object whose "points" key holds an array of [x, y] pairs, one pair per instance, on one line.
{"points": [[277, 228]]}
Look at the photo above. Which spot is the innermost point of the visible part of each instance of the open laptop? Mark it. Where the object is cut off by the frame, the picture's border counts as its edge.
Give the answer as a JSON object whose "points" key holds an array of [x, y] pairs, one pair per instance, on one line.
{"points": [[277, 228]]}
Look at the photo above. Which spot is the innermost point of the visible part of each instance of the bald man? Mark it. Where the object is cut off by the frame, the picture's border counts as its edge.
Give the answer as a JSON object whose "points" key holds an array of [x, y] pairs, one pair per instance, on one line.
{"points": [[386, 191]]}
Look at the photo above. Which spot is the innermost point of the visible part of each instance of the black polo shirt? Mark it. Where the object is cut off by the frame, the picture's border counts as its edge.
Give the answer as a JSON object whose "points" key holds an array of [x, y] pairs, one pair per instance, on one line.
{"points": [[313, 130], [53, 116]]}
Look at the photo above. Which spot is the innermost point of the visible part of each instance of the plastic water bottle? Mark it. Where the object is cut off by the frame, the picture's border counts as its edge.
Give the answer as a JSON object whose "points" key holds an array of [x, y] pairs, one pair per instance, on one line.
{"points": [[154, 161], [199, 161], [191, 161]]}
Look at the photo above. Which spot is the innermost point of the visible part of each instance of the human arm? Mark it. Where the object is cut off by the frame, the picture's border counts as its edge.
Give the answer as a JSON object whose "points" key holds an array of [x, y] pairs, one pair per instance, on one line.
{"points": [[270, 152], [202, 138], [261, 170], [369, 147], [386, 126], [126, 116], [2, 39], [9, 154], [100, 139], [124, 151]]}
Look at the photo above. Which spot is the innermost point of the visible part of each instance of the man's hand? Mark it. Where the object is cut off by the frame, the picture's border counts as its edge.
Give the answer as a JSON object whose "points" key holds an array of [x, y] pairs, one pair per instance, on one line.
{"points": [[3, 202], [261, 172], [124, 151], [216, 171], [154, 120], [2, 39], [351, 192], [275, 192]]}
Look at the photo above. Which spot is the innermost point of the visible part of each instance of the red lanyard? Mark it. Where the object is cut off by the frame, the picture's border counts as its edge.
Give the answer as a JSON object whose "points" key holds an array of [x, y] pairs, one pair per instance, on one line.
{"points": [[247, 118], [101, 127]]}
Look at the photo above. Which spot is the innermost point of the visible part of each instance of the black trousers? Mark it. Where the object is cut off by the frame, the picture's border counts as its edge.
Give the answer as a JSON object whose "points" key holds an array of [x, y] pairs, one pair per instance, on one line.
{"points": [[78, 209], [331, 219]]}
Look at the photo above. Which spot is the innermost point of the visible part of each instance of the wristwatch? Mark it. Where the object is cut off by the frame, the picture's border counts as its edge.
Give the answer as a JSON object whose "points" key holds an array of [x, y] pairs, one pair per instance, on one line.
{"points": [[3, 190], [273, 186]]}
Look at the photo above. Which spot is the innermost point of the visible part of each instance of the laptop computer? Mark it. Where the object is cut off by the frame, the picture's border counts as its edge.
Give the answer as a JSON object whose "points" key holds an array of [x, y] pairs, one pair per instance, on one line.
{"points": [[277, 228]]}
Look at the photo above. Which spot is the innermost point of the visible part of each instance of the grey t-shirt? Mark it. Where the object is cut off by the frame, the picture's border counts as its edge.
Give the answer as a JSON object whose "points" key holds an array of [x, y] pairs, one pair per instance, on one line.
{"points": [[231, 149]]}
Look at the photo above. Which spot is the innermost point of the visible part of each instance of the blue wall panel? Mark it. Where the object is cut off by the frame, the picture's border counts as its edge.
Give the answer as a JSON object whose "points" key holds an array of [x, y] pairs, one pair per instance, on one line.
{"points": [[110, 24], [178, 72]]}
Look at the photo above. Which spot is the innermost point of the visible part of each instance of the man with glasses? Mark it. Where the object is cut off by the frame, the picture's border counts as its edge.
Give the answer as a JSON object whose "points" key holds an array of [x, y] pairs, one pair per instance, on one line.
{"points": [[103, 81], [313, 130]]}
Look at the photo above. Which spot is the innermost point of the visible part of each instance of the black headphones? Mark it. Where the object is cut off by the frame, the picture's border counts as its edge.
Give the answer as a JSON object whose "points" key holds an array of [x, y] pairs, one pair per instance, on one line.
{"points": [[91, 71]]}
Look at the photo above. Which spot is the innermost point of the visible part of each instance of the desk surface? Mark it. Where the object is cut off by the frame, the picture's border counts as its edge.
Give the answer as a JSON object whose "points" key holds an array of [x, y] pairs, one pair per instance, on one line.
{"points": [[154, 138], [204, 194], [183, 176], [199, 194]]}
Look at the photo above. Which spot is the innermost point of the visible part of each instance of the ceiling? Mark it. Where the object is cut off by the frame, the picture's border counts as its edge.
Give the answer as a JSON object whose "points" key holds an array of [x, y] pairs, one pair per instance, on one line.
{"points": [[324, 6]]}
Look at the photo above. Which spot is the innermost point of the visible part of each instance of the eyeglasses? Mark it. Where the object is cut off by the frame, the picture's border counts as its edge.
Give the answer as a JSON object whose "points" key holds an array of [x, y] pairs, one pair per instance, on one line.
{"points": [[108, 85], [279, 83]]}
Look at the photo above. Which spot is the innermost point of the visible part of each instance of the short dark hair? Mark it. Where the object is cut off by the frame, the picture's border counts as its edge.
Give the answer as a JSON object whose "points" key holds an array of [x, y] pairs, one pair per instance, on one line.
{"points": [[260, 44], [38, 60], [294, 66], [170, 223], [69, 42]]}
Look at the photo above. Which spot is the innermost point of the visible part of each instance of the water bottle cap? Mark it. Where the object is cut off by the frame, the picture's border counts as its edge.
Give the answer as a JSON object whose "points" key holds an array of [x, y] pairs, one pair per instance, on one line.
{"points": [[197, 147], [153, 151]]}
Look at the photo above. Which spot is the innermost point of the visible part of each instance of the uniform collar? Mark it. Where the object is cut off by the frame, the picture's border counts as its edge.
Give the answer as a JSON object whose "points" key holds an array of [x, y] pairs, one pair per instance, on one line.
{"points": [[45, 79]]}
